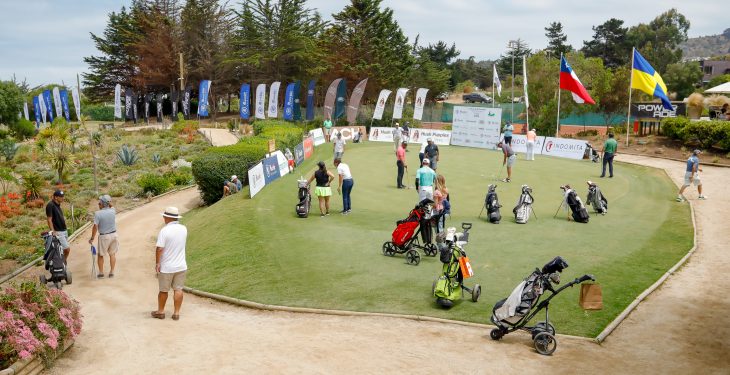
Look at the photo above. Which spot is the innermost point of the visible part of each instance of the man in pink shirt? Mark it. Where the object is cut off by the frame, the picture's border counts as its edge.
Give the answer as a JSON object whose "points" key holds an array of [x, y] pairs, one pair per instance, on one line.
{"points": [[531, 136], [400, 155]]}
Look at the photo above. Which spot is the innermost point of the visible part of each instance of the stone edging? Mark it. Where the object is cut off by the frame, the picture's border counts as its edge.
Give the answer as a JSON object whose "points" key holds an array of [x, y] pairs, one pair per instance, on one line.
{"points": [[635, 303], [32, 365], [673, 159]]}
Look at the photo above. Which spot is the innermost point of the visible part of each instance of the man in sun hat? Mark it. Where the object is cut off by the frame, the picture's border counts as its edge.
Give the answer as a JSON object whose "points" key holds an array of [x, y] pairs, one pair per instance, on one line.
{"points": [[692, 175], [105, 224], [170, 262], [56, 221], [237, 182]]}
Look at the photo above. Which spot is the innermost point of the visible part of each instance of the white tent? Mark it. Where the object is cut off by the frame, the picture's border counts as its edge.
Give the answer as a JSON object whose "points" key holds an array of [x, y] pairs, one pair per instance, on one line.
{"points": [[721, 89]]}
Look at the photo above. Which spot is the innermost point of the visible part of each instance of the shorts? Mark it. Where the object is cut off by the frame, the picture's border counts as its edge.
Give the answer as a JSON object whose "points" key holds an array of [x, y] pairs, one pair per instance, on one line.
{"points": [[62, 236], [176, 281], [425, 192], [108, 244], [327, 131], [511, 160], [688, 180], [338, 155], [433, 163], [323, 191]]}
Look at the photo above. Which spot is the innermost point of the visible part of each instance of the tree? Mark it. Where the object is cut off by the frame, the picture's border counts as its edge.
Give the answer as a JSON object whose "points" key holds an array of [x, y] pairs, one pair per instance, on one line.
{"points": [[55, 142], [470, 70], [441, 54], [556, 40], [609, 43], [429, 74], [515, 50], [11, 102], [157, 51], [611, 92], [719, 80], [659, 40], [682, 78]]}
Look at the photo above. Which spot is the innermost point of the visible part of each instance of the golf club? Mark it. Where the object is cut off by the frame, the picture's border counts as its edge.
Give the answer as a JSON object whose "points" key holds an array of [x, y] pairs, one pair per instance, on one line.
{"points": [[93, 262], [499, 174]]}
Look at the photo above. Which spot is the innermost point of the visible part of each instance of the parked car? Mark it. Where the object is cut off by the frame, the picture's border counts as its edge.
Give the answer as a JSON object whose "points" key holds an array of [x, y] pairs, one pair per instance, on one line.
{"points": [[476, 97], [442, 96], [517, 99]]}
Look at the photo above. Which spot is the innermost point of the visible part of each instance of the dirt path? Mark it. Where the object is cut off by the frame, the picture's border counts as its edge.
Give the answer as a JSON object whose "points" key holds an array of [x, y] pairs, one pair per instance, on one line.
{"points": [[219, 137], [681, 328]]}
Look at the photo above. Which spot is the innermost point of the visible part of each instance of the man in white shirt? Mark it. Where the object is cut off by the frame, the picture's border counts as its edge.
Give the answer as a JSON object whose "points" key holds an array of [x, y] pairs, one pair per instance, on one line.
{"points": [[345, 185], [397, 135], [170, 266], [339, 146]]}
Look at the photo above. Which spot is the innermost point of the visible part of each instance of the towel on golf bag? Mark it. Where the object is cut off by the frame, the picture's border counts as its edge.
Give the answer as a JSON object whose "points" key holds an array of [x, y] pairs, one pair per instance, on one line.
{"points": [[577, 208], [597, 200], [520, 301], [524, 206]]}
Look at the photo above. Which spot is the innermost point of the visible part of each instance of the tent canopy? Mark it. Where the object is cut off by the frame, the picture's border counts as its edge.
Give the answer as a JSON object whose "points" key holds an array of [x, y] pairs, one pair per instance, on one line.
{"points": [[720, 89]]}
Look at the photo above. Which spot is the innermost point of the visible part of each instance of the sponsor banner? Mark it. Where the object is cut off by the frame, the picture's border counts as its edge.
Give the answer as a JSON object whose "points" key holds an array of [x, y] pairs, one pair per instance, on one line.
{"points": [[657, 110], [476, 127], [329, 99], [160, 98], [379, 134], [42, 105], [271, 169], [519, 143], [256, 180], [37, 111], [77, 102], [564, 147], [420, 102], [185, 101], [25, 111], [57, 101], [283, 163], [128, 104], [202, 98], [299, 154], [174, 98], [308, 147], [340, 99], [297, 101], [380, 106], [440, 137], [348, 132], [64, 105], [310, 101], [274, 100], [147, 99], [289, 102], [48, 104], [400, 99], [355, 101], [261, 101], [317, 135], [244, 98], [117, 101]]}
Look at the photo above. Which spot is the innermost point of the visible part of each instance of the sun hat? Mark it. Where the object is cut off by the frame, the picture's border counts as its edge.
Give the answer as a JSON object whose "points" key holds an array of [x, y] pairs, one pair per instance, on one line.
{"points": [[234, 177], [426, 161], [58, 193], [172, 212]]}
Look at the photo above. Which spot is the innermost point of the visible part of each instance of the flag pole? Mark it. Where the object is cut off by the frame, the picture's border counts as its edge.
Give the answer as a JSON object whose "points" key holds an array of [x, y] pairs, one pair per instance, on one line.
{"points": [[527, 102], [631, 82], [494, 72], [557, 127]]}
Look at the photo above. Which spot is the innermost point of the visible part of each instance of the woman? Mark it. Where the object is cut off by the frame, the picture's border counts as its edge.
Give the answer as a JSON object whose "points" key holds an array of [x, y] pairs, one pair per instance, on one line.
{"points": [[442, 206], [323, 190]]}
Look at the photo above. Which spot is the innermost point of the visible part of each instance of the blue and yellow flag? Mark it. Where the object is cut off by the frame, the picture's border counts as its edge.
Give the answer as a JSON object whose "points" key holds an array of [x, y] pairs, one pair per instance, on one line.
{"points": [[646, 79]]}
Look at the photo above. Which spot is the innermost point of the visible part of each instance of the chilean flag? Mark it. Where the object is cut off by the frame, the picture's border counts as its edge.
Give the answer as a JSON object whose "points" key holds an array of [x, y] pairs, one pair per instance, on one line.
{"points": [[569, 81]]}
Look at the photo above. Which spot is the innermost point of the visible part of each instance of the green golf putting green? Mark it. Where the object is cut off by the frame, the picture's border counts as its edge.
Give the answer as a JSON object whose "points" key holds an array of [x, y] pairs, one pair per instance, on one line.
{"points": [[259, 250]]}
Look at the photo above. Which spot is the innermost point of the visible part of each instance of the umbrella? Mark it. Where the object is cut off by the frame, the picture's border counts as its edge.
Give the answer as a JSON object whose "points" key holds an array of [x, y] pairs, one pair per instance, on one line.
{"points": [[720, 89]]}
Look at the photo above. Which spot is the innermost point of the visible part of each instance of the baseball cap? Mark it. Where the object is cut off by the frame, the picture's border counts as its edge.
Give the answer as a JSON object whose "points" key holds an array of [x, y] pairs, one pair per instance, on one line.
{"points": [[106, 198], [234, 177], [58, 193], [426, 161], [696, 152], [429, 139]]}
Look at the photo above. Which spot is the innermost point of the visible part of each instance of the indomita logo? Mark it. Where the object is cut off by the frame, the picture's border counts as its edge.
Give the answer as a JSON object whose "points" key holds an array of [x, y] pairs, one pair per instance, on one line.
{"points": [[549, 146]]}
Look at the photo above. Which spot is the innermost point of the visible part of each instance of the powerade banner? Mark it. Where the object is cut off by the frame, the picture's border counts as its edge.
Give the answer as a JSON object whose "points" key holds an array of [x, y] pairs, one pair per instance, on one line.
{"points": [[117, 101], [310, 101], [77, 102], [261, 101], [657, 110], [400, 99], [256, 180], [57, 102], [289, 102], [274, 100], [355, 101], [299, 154], [271, 169], [329, 99], [420, 101], [37, 111], [129, 104], [244, 100], [186, 101], [297, 101], [64, 105], [308, 147], [49, 105], [340, 100], [380, 105], [42, 102], [203, 97]]}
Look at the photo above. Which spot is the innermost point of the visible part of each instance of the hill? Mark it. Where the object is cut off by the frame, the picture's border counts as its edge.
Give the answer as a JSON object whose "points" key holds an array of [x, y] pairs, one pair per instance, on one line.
{"points": [[706, 46]]}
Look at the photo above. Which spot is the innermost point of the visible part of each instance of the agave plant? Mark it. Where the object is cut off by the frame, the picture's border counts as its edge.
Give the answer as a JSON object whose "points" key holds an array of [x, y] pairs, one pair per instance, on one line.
{"points": [[128, 156], [156, 158], [8, 148]]}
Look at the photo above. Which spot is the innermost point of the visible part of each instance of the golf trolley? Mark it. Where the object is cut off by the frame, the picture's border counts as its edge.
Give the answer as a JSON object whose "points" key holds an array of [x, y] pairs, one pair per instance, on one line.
{"points": [[54, 262], [405, 237]]}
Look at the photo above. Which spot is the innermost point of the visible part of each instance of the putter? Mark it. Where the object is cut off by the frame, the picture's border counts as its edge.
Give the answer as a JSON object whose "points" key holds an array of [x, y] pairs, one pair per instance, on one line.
{"points": [[93, 262], [499, 174]]}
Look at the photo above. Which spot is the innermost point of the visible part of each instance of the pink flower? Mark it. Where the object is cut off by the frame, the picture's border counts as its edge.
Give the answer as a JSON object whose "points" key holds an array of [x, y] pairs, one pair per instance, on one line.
{"points": [[24, 354]]}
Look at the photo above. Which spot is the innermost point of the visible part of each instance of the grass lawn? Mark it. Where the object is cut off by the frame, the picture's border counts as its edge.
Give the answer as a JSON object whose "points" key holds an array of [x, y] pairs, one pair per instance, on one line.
{"points": [[257, 249]]}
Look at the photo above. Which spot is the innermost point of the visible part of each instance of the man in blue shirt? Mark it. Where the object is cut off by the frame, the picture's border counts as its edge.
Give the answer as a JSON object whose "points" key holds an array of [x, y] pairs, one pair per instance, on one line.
{"points": [[692, 175], [508, 129], [424, 181]]}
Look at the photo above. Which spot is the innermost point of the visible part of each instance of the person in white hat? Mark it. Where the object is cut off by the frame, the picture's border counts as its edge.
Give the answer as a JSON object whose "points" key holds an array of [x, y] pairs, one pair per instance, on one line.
{"points": [[105, 224], [432, 153], [237, 182], [425, 177], [692, 175], [170, 264], [397, 135]]}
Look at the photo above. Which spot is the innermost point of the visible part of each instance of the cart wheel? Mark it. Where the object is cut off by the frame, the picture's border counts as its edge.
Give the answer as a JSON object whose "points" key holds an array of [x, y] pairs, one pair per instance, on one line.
{"points": [[430, 250], [389, 249], [412, 257], [43, 279], [545, 343], [545, 327], [496, 334], [68, 277], [476, 292]]}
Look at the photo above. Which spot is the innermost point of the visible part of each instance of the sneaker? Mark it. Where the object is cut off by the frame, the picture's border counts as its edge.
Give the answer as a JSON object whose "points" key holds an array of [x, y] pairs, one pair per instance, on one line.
{"points": [[327, 214], [111, 275], [680, 199], [100, 276], [702, 197], [506, 180], [344, 212]]}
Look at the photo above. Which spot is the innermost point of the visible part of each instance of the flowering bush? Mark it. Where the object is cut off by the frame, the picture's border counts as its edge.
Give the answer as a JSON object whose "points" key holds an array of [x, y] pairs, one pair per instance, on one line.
{"points": [[35, 320]]}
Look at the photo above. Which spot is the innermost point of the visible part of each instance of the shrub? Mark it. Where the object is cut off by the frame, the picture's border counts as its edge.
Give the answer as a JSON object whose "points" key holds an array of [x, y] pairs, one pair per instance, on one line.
{"points": [[8, 148], [99, 112], [180, 176], [128, 156], [23, 129], [587, 133], [183, 126], [153, 183], [4, 133], [673, 126], [32, 184], [156, 158], [704, 133]]}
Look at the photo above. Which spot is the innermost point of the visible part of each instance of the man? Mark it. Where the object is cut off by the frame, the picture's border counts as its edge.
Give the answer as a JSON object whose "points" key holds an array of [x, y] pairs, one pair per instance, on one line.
{"points": [[339, 146], [57, 223], [508, 129], [508, 159], [237, 182], [692, 175], [170, 262], [345, 185], [105, 224], [531, 136], [422, 152], [406, 133], [397, 135], [327, 129], [425, 176], [432, 153], [608, 152], [400, 162]]}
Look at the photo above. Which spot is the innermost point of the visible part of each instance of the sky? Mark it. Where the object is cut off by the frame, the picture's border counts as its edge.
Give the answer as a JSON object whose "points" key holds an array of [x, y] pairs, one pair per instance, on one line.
{"points": [[45, 41]]}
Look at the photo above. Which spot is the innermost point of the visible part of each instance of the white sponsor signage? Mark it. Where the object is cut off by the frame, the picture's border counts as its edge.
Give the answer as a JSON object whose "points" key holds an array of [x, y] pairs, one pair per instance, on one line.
{"points": [[261, 101], [256, 180], [440, 137], [317, 135], [379, 134], [380, 105], [57, 102], [400, 99], [348, 132], [476, 127], [117, 101], [44, 110], [519, 143], [420, 102], [564, 147], [274, 100], [77, 102], [281, 160], [25, 111]]}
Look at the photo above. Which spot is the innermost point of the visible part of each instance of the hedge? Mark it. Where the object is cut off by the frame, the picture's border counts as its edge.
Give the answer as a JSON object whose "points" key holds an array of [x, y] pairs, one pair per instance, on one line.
{"points": [[706, 134], [99, 112]]}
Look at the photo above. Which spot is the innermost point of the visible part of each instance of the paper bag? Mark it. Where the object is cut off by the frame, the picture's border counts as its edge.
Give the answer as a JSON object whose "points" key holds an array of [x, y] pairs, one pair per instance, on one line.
{"points": [[465, 267], [591, 297]]}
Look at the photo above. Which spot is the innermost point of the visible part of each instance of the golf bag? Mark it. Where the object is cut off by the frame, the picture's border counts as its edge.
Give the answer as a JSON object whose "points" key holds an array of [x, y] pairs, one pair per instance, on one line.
{"points": [[591, 153], [405, 237], [524, 206], [491, 202], [305, 198], [577, 208], [596, 199], [447, 288], [54, 262]]}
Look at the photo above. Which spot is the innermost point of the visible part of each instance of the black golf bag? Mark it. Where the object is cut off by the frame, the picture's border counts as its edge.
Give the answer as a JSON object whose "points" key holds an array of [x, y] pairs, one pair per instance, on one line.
{"points": [[596, 199], [54, 262], [577, 208], [591, 153], [491, 202], [524, 206], [305, 199]]}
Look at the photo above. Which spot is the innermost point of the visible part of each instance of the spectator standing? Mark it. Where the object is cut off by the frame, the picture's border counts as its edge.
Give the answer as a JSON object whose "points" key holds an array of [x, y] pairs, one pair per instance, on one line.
{"points": [[400, 162], [432, 153], [339, 146], [692, 175], [105, 223], [289, 159], [422, 152], [508, 159], [323, 191], [425, 177], [345, 185], [170, 263], [441, 202], [508, 129], [406, 133], [327, 124], [397, 135], [531, 136], [609, 151], [57, 223]]}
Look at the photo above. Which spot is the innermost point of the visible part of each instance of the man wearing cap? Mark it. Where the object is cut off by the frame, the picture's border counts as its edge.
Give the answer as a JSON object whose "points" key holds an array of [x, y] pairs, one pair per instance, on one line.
{"points": [[508, 129], [400, 162], [339, 146], [508, 159], [170, 262], [237, 182], [531, 136], [105, 224], [432, 153], [56, 221], [425, 177], [609, 151], [397, 135], [692, 175]]}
